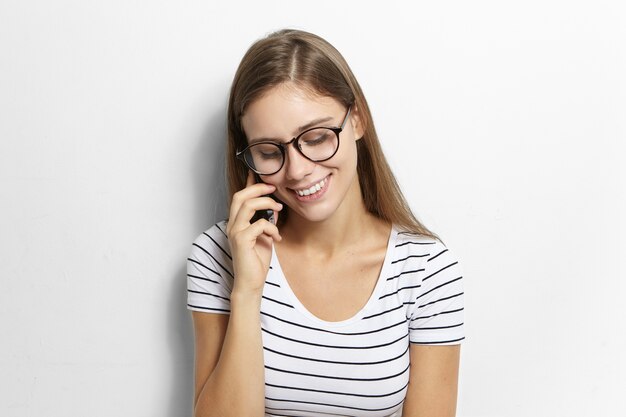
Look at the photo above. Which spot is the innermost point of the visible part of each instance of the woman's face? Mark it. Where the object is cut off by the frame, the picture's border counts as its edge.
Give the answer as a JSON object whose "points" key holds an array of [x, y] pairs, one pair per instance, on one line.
{"points": [[280, 115]]}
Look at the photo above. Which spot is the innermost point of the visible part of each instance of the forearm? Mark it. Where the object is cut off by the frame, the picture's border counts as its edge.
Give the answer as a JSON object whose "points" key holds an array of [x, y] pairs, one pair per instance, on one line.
{"points": [[236, 386]]}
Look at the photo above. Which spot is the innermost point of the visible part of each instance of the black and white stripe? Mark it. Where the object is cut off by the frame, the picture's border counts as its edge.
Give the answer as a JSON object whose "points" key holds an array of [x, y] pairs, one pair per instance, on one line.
{"points": [[356, 367]]}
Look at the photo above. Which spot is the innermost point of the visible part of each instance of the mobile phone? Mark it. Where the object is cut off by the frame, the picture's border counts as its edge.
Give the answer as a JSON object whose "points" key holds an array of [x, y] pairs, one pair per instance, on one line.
{"points": [[263, 214], [266, 214]]}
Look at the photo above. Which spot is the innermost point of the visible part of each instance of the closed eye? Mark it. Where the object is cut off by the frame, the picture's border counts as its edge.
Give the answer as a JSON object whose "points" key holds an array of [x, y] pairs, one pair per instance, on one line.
{"points": [[316, 137]]}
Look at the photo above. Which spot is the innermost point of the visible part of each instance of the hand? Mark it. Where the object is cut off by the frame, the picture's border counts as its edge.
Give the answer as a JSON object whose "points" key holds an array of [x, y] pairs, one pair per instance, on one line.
{"points": [[251, 244]]}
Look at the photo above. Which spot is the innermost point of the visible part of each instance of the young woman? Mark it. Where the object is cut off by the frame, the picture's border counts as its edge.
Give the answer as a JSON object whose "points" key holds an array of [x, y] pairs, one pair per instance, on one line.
{"points": [[343, 304]]}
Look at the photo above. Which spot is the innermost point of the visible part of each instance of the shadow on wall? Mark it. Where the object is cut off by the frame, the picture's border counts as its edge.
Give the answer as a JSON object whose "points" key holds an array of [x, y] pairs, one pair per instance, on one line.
{"points": [[207, 167]]}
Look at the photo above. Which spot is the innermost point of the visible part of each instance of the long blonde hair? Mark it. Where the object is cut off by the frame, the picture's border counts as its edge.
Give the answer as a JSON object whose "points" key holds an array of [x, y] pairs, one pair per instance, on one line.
{"points": [[312, 63]]}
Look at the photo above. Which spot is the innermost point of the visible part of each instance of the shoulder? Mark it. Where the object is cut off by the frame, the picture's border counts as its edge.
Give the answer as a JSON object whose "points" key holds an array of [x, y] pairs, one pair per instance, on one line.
{"points": [[411, 246], [210, 272], [436, 305], [432, 255], [434, 266], [215, 235], [211, 249], [418, 258], [217, 228]]}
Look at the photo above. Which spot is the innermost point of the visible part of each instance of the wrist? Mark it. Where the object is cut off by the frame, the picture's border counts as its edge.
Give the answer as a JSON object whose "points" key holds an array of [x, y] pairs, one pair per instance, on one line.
{"points": [[246, 297]]}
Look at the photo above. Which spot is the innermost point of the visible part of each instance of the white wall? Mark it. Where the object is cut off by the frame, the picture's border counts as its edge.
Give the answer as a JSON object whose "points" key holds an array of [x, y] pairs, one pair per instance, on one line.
{"points": [[504, 122]]}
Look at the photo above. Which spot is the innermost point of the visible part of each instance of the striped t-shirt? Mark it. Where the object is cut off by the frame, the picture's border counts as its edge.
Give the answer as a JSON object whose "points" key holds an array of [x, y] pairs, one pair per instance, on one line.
{"points": [[356, 367]]}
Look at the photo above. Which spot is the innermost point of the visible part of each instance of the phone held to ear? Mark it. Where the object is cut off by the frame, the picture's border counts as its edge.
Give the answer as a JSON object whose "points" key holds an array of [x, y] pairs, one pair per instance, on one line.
{"points": [[263, 214]]}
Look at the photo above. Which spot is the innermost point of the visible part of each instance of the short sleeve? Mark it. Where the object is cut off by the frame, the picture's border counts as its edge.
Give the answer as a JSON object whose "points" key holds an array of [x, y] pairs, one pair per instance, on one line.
{"points": [[209, 272], [437, 316]]}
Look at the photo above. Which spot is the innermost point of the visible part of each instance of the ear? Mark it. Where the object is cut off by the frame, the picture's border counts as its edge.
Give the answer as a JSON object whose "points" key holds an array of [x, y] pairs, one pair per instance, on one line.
{"points": [[357, 124]]}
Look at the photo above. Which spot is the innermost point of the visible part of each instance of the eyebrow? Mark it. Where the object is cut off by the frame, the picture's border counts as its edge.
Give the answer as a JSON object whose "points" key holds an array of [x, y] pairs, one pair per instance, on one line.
{"points": [[312, 123]]}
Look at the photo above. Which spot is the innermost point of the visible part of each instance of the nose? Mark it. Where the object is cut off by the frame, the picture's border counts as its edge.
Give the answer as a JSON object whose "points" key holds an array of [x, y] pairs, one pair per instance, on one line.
{"points": [[296, 165]]}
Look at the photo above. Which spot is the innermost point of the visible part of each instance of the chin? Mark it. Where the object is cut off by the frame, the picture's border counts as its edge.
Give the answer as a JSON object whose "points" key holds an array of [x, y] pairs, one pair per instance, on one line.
{"points": [[317, 213]]}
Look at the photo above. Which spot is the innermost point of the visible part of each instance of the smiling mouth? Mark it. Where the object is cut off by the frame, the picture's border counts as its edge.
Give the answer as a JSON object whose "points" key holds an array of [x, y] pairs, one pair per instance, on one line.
{"points": [[314, 189]]}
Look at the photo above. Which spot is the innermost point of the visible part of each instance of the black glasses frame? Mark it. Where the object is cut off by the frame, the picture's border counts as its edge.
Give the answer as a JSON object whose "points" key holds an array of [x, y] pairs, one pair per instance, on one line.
{"points": [[295, 141]]}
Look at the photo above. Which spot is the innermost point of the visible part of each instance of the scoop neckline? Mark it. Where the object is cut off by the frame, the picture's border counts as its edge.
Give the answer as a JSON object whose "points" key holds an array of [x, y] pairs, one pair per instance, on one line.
{"points": [[295, 301]]}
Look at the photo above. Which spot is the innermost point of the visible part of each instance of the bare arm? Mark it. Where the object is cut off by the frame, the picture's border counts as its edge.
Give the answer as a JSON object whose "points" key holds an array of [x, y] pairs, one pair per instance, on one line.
{"points": [[433, 381], [229, 378]]}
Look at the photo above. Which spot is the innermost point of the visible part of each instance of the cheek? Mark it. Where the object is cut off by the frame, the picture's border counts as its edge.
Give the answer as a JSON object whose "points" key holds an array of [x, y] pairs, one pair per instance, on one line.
{"points": [[271, 179], [346, 156], [277, 181]]}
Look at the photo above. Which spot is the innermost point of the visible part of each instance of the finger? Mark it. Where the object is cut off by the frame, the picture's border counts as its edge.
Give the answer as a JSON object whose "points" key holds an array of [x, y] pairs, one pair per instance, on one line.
{"points": [[249, 207], [264, 227], [250, 179], [255, 233], [251, 192]]}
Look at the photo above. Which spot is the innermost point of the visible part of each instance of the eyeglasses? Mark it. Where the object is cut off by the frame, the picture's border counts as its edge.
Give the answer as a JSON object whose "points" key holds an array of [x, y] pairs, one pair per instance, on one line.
{"points": [[317, 144]]}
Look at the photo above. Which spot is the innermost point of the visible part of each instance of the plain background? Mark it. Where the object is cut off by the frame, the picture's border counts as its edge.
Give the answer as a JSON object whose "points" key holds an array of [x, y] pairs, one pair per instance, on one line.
{"points": [[504, 123]]}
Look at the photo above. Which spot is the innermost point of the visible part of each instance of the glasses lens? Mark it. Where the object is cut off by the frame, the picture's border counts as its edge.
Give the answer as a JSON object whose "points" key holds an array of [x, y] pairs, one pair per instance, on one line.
{"points": [[318, 144], [264, 158]]}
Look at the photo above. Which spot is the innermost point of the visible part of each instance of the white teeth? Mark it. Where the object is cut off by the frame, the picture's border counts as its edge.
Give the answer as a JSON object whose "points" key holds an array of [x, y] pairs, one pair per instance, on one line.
{"points": [[313, 189]]}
